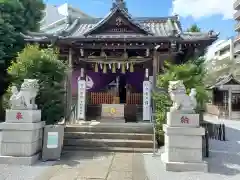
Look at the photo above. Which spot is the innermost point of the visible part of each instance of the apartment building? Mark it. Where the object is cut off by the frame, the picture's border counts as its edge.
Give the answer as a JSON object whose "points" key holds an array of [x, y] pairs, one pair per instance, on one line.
{"points": [[221, 50], [236, 16]]}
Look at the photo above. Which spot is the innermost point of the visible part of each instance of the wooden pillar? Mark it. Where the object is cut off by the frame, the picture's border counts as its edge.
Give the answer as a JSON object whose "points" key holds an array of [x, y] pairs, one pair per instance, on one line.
{"points": [[155, 68], [230, 103], [154, 80], [69, 87]]}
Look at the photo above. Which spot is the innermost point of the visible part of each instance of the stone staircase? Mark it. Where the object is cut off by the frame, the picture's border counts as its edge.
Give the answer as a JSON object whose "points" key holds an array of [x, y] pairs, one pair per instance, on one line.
{"points": [[122, 137]]}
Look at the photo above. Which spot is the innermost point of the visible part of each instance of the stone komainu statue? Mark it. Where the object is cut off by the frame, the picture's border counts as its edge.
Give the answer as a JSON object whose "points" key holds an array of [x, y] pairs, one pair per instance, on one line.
{"points": [[181, 101], [25, 98]]}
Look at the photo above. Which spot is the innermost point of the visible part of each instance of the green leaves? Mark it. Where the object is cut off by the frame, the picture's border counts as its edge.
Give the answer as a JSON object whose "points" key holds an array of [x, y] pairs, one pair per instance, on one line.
{"points": [[43, 64], [16, 16], [192, 73], [194, 28]]}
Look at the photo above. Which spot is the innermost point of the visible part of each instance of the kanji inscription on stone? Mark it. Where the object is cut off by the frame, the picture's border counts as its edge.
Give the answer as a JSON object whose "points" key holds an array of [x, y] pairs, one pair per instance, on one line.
{"points": [[184, 120], [19, 116]]}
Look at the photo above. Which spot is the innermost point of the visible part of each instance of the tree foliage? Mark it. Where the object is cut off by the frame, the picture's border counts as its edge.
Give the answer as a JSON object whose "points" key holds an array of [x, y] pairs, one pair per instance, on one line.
{"points": [[192, 73], [16, 16], [42, 64], [33, 13], [194, 28]]}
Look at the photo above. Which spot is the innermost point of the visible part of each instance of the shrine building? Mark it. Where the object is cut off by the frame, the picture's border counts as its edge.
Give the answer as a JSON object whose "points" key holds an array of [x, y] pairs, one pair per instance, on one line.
{"points": [[117, 53]]}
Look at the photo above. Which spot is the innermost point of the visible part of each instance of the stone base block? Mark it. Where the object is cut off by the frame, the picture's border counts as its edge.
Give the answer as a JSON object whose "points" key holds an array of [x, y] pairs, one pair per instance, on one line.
{"points": [[176, 119], [21, 149], [112, 111], [21, 126], [17, 136], [112, 120], [183, 154], [184, 166], [180, 141], [23, 116], [27, 161], [183, 131]]}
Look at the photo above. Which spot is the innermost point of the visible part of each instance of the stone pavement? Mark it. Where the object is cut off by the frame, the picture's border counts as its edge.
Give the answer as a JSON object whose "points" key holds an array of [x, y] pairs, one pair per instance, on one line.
{"points": [[224, 164], [224, 160], [81, 165], [86, 165]]}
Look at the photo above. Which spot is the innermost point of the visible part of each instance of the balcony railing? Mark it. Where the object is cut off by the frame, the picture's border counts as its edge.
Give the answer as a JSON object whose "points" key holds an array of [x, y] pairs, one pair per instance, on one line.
{"points": [[237, 15], [236, 5], [237, 26], [237, 48]]}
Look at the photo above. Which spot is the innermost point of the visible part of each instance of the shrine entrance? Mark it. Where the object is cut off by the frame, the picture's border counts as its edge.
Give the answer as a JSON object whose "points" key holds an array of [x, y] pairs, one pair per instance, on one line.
{"points": [[123, 87]]}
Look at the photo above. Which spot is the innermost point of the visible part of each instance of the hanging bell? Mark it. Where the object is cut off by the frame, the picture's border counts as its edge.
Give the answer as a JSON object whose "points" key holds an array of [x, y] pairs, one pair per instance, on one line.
{"points": [[104, 68], [96, 67], [113, 68], [131, 67]]}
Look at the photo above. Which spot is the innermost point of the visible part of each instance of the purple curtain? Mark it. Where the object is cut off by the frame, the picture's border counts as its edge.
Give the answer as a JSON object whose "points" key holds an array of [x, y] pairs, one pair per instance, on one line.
{"points": [[97, 81]]}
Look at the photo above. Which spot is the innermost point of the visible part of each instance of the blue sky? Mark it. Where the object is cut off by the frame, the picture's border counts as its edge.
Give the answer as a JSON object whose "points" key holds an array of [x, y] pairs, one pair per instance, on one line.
{"points": [[207, 14]]}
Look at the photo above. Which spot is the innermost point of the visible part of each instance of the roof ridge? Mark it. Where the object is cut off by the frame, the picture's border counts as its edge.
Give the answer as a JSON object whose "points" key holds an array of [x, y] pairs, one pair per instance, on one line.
{"points": [[163, 18], [109, 15]]}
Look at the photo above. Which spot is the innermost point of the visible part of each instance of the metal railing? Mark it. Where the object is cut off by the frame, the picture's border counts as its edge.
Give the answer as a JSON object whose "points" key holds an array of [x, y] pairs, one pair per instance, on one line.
{"points": [[236, 5], [212, 131], [237, 15]]}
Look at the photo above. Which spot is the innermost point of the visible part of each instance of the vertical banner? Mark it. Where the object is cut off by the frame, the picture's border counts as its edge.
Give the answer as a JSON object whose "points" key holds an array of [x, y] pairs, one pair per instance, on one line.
{"points": [[81, 105], [146, 100]]}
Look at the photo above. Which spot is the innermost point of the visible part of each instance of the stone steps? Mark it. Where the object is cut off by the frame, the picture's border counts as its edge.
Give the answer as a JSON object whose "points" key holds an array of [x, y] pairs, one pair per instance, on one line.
{"points": [[103, 135], [108, 149], [120, 137], [108, 143], [140, 128]]}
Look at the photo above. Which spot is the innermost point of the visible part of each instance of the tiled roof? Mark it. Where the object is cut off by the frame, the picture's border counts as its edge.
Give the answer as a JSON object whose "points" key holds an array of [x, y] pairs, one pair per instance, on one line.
{"points": [[125, 14], [150, 26], [224, 80]]}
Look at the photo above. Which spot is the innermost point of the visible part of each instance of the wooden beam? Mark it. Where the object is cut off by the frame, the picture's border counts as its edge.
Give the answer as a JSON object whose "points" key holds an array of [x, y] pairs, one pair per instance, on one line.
{"points": [[110, 46]]}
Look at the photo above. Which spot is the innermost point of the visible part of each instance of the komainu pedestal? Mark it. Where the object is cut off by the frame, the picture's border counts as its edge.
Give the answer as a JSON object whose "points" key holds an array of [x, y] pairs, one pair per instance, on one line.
{"points": [[23, 130], [183, 135]]}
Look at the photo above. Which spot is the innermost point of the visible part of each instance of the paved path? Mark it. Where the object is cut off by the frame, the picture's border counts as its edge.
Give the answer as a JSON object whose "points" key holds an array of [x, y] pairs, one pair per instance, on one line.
{"points": [[85, 165], [224, 160], [81, 165], [224, 164]]}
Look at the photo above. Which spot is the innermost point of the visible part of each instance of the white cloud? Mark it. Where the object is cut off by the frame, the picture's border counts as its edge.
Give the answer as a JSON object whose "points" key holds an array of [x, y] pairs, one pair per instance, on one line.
{"points": [[203, 8]]}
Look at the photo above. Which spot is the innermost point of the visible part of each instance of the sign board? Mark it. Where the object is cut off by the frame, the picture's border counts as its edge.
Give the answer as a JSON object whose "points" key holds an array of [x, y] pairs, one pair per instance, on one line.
{"points": [[146, 100], [113, 110], [81, 99], [52, 140]]}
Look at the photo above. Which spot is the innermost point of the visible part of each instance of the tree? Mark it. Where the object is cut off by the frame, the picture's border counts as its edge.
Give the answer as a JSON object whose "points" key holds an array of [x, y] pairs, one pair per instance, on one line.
{"points": [[33, 13], [194, 28], [42, 64], [192, 73], [16, 16]]}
